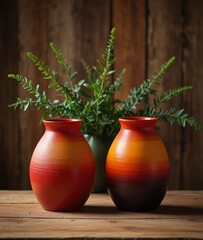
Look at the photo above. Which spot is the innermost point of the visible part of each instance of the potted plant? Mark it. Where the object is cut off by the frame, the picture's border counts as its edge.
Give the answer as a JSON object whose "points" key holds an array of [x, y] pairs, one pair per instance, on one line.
{"points": [[92, 99]]}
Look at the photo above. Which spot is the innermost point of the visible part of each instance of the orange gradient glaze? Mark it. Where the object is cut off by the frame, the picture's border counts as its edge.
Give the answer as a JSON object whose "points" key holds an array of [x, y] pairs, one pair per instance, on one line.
{"points": [[137, 166], [62, 166]]}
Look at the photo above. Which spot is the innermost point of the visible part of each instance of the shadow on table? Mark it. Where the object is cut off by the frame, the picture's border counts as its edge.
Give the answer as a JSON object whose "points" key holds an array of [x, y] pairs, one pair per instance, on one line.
{"points": [[178, 210], [99, 209], [163, 209]]}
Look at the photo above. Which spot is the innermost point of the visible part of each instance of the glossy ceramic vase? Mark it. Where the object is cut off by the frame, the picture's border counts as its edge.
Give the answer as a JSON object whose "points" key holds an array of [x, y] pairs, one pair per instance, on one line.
{"points": [[62, 167], [100, 146], [137, 166]]}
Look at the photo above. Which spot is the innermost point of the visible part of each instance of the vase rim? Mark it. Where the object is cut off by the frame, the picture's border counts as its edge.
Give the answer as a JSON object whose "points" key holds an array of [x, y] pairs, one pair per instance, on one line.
{"points": [[136, 118], [62, 120]]}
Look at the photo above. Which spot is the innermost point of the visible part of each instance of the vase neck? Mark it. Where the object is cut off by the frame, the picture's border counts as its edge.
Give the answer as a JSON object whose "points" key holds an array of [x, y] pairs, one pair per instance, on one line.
{"points": [[63, 125], [138, 123]]}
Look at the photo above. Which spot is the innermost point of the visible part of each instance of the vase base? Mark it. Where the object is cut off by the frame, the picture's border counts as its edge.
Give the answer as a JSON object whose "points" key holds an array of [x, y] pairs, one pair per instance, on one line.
{"points": [[137, 199]]}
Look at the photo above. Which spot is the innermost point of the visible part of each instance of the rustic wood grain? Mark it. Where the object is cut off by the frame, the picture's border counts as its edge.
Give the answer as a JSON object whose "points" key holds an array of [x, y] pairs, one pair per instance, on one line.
{"points": [[32, 37], [78, 30], [103, 228], [91, 27], [164, 41], [192, 63], [130, 20], [9, 124], [179, 216]]}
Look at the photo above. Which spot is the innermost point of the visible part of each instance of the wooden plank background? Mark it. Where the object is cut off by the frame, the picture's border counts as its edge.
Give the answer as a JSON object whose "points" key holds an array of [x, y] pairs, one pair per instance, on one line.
{"points": [[148, 33]]}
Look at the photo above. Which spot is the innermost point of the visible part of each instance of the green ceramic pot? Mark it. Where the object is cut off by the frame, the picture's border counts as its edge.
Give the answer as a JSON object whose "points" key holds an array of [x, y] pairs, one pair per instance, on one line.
{"points": [[100, 146]]}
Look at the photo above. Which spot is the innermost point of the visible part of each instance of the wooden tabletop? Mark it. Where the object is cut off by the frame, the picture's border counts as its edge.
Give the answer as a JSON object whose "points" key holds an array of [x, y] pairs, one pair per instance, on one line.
{"points": [[179, 216]]}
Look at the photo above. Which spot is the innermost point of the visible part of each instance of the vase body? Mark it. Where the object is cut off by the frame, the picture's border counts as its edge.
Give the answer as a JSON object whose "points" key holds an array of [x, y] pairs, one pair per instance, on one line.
{"points": [[137, 166], [62, 166], [100, 146]]}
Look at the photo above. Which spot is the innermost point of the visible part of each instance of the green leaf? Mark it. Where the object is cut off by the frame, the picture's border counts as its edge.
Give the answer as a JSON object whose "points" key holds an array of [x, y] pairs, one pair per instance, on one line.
{"points": [[111, 72], [101, 63], [87, 85], [52, 84], [81, 82], [179, 112], [86, 94], [73, 75], [97, 69]]}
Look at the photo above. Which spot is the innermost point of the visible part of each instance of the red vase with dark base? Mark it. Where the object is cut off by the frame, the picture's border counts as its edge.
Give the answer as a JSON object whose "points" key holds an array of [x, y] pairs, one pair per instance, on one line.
{"points": [[62, 166], [137, 166]]}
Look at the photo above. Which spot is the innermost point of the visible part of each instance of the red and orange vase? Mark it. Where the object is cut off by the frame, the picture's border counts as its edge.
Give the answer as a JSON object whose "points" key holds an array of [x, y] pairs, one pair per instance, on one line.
{"points": [[62, 166], [137, 166]]}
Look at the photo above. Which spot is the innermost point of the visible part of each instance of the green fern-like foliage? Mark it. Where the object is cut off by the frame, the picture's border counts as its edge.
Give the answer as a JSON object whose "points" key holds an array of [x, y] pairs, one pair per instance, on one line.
{"points": [[100, 90], [137, 95], [137, 98], [93, 99], [39, 99], [170, 94]]}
